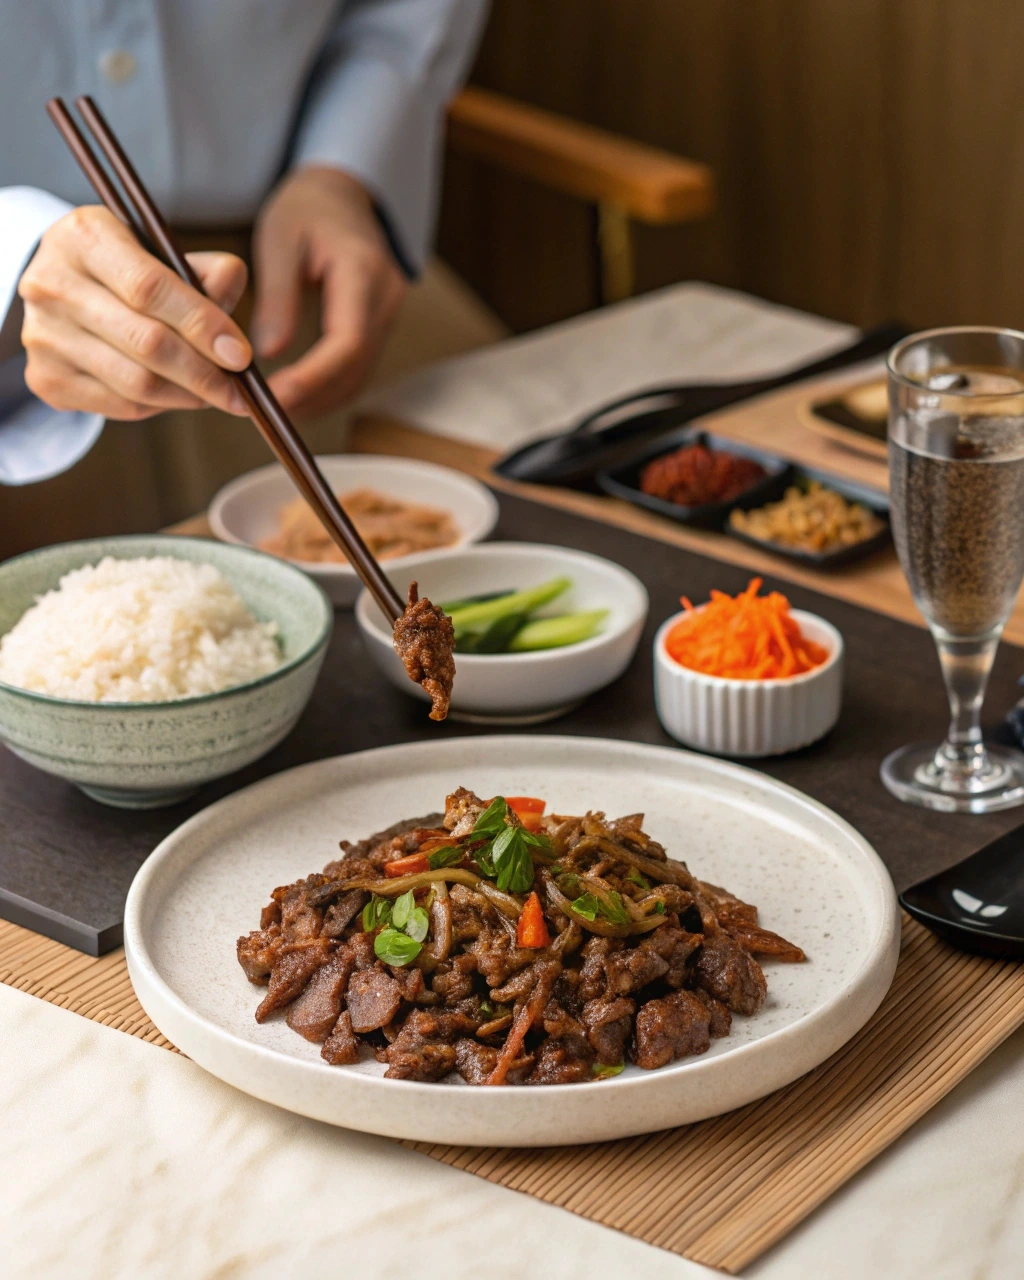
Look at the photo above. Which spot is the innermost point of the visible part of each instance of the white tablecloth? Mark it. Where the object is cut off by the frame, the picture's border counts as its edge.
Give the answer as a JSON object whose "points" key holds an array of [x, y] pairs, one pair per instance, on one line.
{"points": [[122, 1161], [119, 1159]]}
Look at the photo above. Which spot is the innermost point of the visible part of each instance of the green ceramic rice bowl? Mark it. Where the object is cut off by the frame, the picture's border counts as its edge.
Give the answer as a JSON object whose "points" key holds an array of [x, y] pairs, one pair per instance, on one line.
{"points": [[141, 755]]}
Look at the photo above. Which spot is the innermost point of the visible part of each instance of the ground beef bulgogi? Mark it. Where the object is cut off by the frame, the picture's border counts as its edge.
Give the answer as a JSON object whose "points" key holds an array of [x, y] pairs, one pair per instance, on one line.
{"points": [[424, 639], [509, 947]]}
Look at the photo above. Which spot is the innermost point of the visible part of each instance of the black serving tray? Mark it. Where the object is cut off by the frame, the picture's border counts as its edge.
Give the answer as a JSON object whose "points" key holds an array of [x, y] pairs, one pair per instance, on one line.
{"points": [[874, 499], [624, 481]]}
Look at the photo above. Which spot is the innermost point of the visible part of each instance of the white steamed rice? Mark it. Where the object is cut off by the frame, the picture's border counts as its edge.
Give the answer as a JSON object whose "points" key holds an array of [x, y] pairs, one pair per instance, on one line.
{"points": [[147, 630]]}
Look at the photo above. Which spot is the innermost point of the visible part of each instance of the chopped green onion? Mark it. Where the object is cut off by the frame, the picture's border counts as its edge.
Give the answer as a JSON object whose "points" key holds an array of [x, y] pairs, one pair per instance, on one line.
{"points": [[605, 1070], [634, 877]]}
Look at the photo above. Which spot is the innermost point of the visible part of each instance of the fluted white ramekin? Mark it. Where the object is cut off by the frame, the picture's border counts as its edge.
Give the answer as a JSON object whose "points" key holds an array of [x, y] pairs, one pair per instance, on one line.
{"points": [[750, 717]]}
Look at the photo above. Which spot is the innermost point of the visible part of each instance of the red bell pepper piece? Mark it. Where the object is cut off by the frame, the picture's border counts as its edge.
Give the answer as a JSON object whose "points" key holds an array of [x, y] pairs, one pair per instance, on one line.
{"points": [[528, 810], [409, 866], [532, 930]]}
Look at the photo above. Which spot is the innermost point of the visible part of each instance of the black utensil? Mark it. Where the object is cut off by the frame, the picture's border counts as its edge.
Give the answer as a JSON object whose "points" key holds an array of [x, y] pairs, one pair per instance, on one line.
{"points": [[978, 904], [607, 437]]}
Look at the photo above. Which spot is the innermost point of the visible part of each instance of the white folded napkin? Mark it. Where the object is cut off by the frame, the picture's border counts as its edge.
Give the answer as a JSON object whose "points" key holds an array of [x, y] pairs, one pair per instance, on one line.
{"points": [[514, 391]]}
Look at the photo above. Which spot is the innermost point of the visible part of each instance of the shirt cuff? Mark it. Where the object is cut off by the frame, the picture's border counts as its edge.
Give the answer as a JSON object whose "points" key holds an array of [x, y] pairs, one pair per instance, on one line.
{"points": [[37, 442], [25, 213]]}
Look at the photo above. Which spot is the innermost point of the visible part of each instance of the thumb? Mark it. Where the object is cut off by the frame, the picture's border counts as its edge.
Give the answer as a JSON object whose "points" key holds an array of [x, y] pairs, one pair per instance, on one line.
{"points": [[277, 267]]}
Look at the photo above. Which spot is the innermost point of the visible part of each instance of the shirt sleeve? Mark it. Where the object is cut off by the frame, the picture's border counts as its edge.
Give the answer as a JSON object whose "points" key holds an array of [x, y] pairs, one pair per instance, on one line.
{"points": [[376, 102], [36, 442]]}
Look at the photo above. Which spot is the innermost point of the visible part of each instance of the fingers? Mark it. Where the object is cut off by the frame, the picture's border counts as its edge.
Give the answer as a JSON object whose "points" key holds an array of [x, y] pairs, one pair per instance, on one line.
{"points": [[110, 254], [92, 313], [278, 251], [66, 388], [359, 307], [223, 275], [124, 376]]}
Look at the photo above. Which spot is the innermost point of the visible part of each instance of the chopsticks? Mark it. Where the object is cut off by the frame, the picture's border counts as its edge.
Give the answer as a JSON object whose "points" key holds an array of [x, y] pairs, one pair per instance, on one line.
{"points": [[274, 424]]}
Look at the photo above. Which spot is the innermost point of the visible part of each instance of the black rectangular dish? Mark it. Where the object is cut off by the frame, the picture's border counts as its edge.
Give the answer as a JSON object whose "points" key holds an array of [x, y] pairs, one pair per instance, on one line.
{"points": [[624, 481], [874, 499]]}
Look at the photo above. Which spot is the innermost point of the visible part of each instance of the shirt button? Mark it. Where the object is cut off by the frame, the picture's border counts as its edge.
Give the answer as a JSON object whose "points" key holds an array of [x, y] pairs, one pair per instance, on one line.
{"points": [[117, 65]]}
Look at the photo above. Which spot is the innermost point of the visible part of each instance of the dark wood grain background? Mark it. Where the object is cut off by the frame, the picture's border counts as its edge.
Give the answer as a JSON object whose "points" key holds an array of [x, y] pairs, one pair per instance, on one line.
{"points": [[869, 153]]}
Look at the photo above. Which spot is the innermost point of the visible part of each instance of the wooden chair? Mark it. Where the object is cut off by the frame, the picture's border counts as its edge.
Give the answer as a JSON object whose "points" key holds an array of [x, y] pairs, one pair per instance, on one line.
{"points": [[621, 179]]}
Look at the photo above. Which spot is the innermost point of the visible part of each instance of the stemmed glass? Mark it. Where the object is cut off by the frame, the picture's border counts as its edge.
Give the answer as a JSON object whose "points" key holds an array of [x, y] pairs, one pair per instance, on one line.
{"points": [[956, 472]]}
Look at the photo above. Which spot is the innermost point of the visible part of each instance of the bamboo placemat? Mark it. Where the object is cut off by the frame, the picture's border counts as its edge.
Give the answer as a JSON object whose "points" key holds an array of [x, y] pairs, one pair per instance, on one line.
{"points": [[720, 1192]]}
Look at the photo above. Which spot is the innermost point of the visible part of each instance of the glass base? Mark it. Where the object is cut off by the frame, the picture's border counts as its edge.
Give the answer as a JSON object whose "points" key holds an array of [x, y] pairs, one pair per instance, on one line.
{"points": [[919, 774]]}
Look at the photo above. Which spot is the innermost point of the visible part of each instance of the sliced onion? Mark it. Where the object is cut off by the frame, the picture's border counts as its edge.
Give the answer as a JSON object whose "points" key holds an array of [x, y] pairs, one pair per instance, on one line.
{"points": [[441, 927]]}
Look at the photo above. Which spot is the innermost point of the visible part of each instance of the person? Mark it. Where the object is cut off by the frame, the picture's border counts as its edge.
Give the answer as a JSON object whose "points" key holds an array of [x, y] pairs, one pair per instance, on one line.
{"points": [[320, 122]]}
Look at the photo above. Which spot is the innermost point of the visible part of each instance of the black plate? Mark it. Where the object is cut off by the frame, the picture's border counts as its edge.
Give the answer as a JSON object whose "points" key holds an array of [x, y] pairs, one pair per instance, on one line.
{"points": [[874, 499], [977, 905], [624, 481]]}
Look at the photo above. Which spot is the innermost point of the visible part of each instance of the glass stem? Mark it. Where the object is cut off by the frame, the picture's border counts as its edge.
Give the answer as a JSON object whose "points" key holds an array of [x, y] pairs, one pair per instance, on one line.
{"points": [[966, 666]]}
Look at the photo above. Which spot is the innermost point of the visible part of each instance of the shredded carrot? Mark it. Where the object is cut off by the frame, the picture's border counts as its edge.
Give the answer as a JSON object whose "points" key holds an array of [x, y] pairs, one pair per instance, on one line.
{"points": [[746, 637]]}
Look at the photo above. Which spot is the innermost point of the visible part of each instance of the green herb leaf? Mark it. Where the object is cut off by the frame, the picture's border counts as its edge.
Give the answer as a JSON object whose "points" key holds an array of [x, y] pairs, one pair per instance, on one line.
{"points": [[486, 1006], [512, 861], [659, 908], [587, 906], [636, 878], [396, 948], [444, 857], [614, 910], [492, 820], [605, 1070], [403, 909], [419, 925], [376, 912], [484, 861], [590, 906]]}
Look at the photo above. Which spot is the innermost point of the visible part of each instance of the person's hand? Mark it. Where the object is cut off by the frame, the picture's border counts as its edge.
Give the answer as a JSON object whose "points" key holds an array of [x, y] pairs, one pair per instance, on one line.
{"points": [[319, 228], [109, 329]]}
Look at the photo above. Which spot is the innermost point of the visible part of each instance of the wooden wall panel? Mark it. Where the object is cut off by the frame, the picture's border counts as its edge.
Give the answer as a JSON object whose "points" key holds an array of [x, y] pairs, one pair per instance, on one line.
{"points": [[870, 153]]}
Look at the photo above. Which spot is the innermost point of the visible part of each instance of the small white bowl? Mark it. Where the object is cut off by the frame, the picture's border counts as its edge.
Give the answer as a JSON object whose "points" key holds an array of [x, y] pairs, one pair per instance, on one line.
{"points": [[246, 510], [750, 717], [519, 688]]}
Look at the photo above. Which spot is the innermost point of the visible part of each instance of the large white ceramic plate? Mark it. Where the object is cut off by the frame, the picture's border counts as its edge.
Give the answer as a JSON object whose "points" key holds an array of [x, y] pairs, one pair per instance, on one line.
{"points": [[246, 510], [815, 879]]}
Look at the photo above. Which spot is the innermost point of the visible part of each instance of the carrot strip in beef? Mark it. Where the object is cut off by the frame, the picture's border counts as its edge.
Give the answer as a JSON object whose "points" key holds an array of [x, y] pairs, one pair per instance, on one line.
{"points": [[525, 1019]]}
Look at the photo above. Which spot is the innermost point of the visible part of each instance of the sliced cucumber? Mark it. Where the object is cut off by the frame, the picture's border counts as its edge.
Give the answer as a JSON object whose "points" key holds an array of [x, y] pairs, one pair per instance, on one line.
{"points": [[555, 633]]}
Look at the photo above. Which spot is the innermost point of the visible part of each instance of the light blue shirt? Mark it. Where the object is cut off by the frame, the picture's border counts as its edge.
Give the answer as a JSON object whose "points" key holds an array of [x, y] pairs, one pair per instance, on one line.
{"points": [[214, 99]]}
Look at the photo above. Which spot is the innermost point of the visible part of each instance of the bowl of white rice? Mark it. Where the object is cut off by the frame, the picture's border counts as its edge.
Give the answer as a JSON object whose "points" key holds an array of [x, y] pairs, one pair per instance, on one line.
{"points": [[140, 668]]}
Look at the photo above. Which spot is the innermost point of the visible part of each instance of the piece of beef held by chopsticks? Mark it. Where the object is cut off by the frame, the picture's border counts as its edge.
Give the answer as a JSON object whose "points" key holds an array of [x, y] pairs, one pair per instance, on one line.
{"points": [[424, 639]]}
